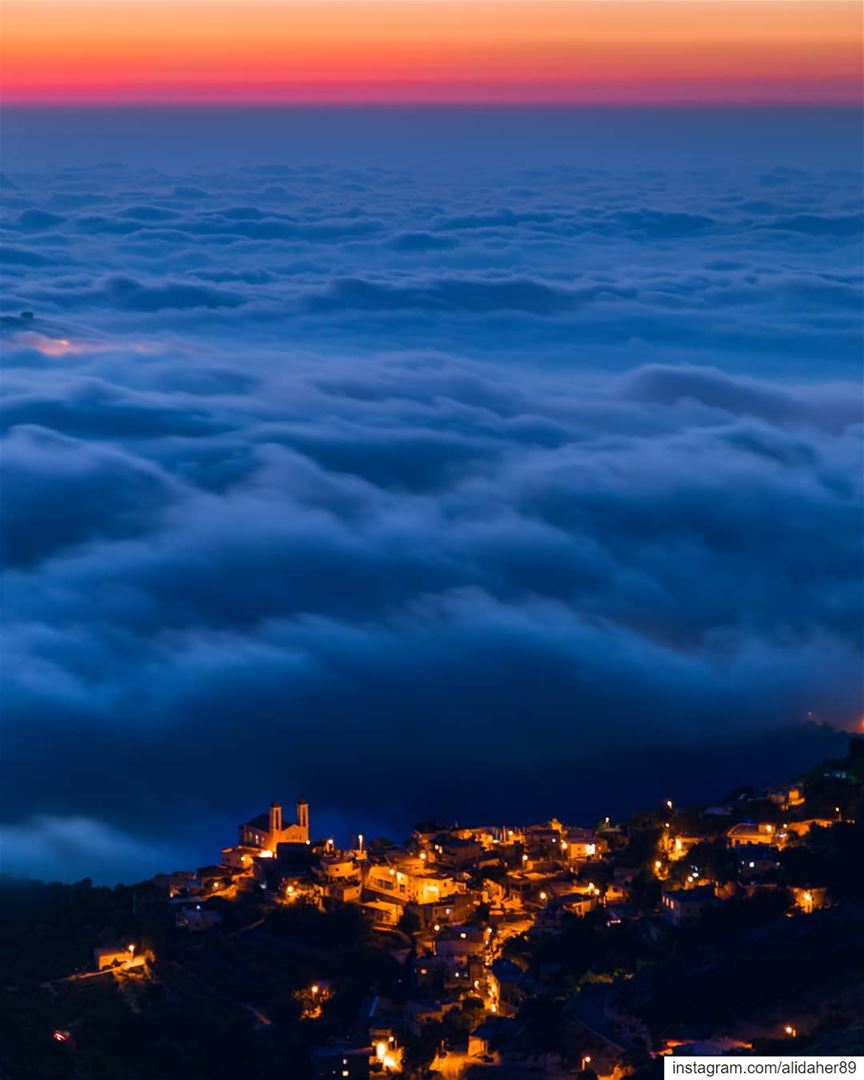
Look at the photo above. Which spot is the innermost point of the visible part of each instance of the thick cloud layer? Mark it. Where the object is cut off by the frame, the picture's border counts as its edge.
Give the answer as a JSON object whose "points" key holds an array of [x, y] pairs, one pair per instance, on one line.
{"points": [[503, 494]]}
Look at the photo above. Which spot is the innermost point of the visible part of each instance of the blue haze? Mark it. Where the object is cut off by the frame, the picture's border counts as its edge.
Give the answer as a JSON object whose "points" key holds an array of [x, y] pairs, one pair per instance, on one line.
{"points": [[488, 464]]}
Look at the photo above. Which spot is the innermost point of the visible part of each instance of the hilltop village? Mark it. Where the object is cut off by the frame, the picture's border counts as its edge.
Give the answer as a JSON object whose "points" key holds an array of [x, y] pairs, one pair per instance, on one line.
{"points": [[509, 951]]}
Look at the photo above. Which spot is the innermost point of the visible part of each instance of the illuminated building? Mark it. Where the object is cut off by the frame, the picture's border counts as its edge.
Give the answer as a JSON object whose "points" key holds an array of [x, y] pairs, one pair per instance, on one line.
{"points": [[267, 831], [809, 898], [748, 832], [116, 957], [682, 906], [407, 879], [787, 797]]}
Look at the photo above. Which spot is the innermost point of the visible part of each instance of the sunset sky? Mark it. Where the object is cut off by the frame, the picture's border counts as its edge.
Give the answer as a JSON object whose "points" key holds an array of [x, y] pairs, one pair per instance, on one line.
{"points": [[107, 51]]}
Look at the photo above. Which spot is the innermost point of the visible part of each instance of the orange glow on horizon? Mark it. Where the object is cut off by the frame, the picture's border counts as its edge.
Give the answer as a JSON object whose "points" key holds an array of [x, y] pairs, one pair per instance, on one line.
{"points": [[108, 51]]}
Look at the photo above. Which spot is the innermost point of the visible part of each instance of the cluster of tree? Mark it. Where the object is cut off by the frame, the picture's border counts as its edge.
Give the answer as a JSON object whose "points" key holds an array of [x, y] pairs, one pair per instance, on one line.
{"points": [[584, 950], [743, 957], [219, 1004]]}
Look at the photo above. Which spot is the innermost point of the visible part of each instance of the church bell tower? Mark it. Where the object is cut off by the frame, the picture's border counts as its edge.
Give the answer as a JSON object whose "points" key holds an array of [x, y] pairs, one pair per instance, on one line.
{"points": [[275, 821], [303, 818]]}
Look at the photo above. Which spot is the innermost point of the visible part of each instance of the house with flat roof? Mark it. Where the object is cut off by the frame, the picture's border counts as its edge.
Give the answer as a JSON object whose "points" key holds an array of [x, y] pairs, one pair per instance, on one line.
{"points": [[684, 906]]}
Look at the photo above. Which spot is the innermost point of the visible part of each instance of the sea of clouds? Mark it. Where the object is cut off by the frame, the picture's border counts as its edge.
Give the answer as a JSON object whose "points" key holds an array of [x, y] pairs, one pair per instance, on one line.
{"points": [[483, 493]]}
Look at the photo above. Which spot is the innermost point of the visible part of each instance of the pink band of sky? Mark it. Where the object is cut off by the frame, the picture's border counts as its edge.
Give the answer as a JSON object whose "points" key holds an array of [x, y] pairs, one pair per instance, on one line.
{"points": [[342, 51]]}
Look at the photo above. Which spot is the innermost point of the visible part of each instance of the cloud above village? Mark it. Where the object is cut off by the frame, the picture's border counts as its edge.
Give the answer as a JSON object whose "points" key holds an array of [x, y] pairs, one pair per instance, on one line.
{"points": [[411, 493]]}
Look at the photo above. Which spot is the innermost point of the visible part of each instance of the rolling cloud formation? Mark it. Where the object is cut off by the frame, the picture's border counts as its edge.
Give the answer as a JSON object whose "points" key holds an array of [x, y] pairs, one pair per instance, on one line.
{"points": [[413, 493]]}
